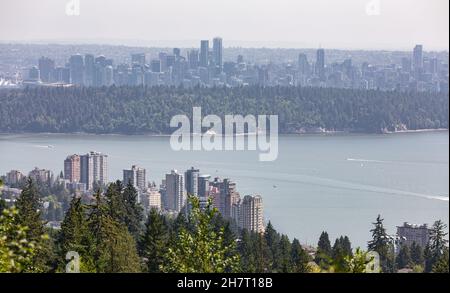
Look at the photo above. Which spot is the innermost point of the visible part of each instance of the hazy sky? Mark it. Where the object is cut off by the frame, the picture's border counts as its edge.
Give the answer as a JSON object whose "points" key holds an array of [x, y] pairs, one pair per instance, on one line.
{"points": [[286, 23]]}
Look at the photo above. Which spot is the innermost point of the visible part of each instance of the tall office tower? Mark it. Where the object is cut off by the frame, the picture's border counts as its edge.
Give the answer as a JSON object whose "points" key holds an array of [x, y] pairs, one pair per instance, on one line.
{"points": [[46, 69], [203, 185], [218, 53], [434, 66], [170, 60], [252, 213], [163, 59], [72, 168], [175, 197], [191, 181], [136, 176], [94, 169], [204, 53], [138, 58], [62, 74], [76, 66], [89, 69], [320, 64], [34, 74], [155, 65], [176, 52], [193, 59], [418, 58], [109, 75], [303, 64]]}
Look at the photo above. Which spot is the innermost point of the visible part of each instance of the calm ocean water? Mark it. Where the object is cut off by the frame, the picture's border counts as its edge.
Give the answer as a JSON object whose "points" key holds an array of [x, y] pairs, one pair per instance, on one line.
{"points": [[334, 183]]}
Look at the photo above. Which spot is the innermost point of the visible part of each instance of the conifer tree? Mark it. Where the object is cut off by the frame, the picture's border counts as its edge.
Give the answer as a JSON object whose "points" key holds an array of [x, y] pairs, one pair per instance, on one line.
{"points": [[155, 240], [324, 251], [404, 257], [381, 244], [300, 258]]}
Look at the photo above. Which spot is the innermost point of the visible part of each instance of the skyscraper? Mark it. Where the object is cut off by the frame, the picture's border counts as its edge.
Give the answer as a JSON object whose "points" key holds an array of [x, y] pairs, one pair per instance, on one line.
{"points": [[138, 58], [303, 65], [94, 169], [218, 53], [72, 168], [203, 185], [136, 176], [191, 179], [193, 59], [204, 53], [418, 57], [175, 197], [89, 69], [320, 64], [46, 69], [252, 213], [76, 66]]}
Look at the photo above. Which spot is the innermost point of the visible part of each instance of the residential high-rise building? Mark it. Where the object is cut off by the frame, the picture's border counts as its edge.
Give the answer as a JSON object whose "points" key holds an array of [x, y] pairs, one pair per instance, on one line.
{"points": [[203, 185], [94, 169], [204, 53], [76, 66], [14, 177], [191, 181], [46, 69], [163, 61], [72, 168], [320, 64], [154, 198], [136, 176], [409, 233], [252, 213], [218, 53], [41, 175], [175, 197]]}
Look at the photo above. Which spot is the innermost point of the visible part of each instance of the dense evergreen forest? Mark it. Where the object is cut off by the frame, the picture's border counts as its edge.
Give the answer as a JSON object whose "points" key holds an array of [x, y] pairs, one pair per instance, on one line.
{"points": [[110, 233], [135, 110]]}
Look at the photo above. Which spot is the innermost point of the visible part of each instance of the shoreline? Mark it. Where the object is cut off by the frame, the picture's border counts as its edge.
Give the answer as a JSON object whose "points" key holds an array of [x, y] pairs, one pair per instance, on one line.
{"points": [[326, 132]]}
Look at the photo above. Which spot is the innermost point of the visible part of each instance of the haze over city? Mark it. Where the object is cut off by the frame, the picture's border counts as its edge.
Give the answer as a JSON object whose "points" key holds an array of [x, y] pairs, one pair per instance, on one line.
{"points": [[348, 24]]}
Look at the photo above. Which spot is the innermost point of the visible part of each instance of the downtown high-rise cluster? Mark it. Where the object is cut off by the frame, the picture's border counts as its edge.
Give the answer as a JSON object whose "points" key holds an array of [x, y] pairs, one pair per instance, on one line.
{"points": [[205, 66]]}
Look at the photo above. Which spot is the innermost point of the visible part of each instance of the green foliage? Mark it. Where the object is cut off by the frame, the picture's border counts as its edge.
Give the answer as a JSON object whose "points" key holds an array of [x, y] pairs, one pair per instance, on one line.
{"points": [[155, 240], [76, 236], [324, 252], [441, 265], [437, 248], [381, 244], [404, 259], [417, 254], [357, 262], [16, 250], [201, 250], [149, 110], [300, 258], [114, 247]]}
